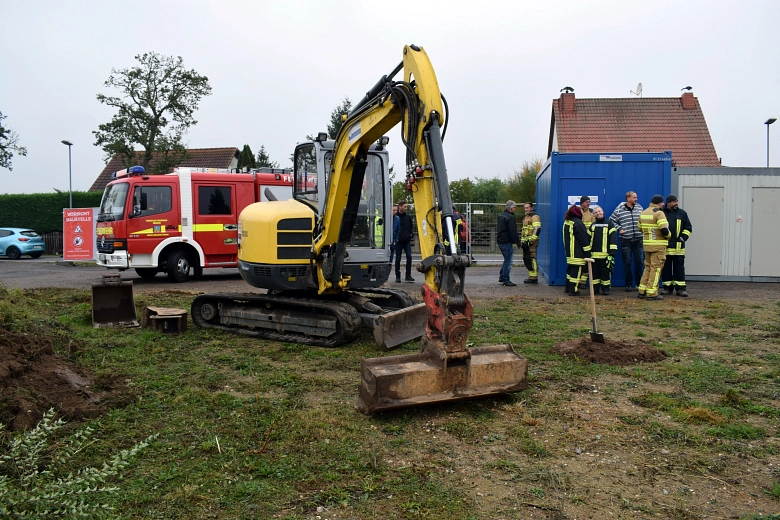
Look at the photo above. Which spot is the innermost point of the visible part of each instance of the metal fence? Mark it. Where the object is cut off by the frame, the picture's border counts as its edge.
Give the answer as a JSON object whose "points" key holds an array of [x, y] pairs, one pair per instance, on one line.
{"points": [[482, 222]]}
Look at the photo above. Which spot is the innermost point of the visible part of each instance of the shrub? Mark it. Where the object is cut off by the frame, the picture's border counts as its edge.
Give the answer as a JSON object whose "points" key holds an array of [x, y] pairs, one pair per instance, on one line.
{"points": [[31, 485]]}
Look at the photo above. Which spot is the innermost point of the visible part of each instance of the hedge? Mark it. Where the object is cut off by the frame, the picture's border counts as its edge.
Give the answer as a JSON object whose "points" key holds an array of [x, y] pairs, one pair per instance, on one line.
{"points": [[42, 211]]}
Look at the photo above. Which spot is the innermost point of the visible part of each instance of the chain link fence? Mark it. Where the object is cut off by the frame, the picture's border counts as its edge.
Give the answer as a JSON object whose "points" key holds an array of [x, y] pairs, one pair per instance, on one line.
{"points": [[482, 223]]}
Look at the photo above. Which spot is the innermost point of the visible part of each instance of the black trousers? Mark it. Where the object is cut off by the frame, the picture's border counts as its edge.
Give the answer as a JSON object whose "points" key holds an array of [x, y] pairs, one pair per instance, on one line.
{"points": [[673, 273], [601, 275]]}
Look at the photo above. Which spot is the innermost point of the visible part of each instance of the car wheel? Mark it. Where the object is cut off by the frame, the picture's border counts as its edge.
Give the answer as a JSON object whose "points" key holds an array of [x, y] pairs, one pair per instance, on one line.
{"points": [[147, 273], [13, 253], [178, 267], [36, 255]]}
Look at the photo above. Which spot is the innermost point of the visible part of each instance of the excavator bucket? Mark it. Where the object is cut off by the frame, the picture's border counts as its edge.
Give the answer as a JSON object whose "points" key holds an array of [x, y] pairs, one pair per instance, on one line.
{"points": [[423, 378], [396, 327], [112, 303]]}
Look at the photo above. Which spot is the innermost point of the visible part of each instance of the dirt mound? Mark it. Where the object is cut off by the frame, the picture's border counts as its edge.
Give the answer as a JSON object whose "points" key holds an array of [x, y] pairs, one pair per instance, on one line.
{"points": [[33, 379], [610, 352]]}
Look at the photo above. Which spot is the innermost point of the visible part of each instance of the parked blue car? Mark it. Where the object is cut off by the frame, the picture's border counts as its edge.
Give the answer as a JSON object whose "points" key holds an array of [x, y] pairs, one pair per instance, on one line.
{"points": [[15, 242]]}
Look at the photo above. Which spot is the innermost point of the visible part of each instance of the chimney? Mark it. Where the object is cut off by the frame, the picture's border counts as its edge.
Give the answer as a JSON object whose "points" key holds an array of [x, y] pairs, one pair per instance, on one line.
{"points": [[688, 101], [566, 102]]}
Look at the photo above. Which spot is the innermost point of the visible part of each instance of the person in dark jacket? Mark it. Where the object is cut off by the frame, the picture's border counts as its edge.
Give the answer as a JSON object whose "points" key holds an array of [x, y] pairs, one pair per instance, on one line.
{"points": [[673, 273], [396, 223], [576, 243], [603, 250], [626, 221], [404, 242], [507, 238]]}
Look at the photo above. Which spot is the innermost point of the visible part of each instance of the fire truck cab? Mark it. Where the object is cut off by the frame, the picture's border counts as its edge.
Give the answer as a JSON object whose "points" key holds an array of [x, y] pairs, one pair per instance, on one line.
{"points": [[182, 221]]}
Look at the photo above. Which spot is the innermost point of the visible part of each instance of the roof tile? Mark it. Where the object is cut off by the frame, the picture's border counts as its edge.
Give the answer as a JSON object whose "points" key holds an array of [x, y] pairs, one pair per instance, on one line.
{"points": [[195, 158], [626, 125]]}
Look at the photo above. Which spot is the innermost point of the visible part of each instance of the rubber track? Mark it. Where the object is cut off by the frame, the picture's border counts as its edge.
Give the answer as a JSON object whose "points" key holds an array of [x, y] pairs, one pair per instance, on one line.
{"points": [[348, 317]]}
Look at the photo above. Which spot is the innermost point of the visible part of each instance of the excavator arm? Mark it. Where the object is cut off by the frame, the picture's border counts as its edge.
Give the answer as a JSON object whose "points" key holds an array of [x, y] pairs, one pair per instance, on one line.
{"points": [[445, 369]]}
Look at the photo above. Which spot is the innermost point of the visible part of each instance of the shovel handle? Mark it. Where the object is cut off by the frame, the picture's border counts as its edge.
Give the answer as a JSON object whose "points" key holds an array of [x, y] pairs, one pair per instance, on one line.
{"points": [[590, 261]]}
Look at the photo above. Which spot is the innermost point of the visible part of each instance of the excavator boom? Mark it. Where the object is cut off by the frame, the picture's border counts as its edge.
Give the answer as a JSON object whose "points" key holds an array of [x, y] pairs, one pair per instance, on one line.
{"points": [[445, 369]]}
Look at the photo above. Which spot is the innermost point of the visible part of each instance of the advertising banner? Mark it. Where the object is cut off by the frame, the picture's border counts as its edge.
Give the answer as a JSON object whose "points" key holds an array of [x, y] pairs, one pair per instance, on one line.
{"points": [[78, 238]]}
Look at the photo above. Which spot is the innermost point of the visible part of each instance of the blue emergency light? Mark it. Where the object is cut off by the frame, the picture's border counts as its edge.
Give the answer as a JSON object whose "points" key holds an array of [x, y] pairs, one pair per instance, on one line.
{"points": [[133, 170]]}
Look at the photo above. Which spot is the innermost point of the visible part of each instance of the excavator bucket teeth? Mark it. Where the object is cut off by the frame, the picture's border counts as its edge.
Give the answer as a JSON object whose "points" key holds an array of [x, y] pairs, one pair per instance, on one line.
{"points": [[396, 327], [418, 379]]}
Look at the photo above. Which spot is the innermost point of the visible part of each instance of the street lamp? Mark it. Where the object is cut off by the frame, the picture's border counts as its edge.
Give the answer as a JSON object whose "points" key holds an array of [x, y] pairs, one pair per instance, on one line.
{"points": [[767, 123], [70, 172]]}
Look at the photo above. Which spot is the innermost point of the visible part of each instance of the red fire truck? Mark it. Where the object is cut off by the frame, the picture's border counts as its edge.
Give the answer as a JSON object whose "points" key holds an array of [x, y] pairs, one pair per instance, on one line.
{"points": [[181, 220]]}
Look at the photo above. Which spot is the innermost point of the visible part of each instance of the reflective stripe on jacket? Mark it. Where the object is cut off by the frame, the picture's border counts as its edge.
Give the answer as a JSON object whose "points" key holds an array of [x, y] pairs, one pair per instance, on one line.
{"points": [[532, 227], [655, 229], [680, 227], [576, 241], [603, 239]]}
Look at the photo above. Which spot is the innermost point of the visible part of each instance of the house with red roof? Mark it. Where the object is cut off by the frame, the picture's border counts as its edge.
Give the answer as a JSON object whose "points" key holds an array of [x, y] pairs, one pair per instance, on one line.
{"points": [[195, 158], [626, 125]]}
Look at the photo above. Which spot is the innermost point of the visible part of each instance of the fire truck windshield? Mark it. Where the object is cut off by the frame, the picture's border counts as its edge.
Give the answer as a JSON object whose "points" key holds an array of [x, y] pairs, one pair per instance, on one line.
{"points": [[112, 206]]}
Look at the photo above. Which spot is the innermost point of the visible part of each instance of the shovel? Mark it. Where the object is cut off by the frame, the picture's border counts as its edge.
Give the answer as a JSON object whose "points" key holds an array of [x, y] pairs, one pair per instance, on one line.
{"points": [[595, 336]]}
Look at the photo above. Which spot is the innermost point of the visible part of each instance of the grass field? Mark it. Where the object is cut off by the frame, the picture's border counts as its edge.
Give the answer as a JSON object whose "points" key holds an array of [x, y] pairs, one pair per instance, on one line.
{"points": [[257, 429]]}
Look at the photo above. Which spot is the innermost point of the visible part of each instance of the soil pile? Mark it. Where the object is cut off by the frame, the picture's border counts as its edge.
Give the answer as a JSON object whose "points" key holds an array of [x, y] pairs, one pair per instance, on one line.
{"points": [[33, 379], [610, 352]]}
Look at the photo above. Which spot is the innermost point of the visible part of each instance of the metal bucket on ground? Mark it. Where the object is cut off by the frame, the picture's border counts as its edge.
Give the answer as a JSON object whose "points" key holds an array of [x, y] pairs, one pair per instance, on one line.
{"points": [[432, 377], [112, 303]]}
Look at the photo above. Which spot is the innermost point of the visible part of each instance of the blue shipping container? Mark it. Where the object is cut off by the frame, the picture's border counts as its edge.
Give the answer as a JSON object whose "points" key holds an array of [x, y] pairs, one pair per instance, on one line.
{"points": [[605, 178]]}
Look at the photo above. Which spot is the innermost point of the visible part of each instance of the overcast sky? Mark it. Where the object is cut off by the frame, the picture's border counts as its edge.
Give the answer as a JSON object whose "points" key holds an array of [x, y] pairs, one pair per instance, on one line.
{"points": [[277, 69]]}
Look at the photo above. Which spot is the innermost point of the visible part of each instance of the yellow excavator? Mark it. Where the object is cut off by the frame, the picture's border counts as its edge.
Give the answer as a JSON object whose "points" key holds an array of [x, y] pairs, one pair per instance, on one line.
{"points": [[324, 255]]}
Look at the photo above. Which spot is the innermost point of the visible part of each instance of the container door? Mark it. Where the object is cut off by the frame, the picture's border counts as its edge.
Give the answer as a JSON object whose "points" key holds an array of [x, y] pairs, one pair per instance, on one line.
{"points": [[215, 225], [703, 254], [571, 191], [764, 246]]}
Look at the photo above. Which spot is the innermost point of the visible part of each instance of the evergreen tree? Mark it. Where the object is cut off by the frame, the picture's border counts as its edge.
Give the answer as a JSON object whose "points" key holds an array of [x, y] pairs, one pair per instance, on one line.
{"points": [[335, 117], [246, 159], [264, 160]]}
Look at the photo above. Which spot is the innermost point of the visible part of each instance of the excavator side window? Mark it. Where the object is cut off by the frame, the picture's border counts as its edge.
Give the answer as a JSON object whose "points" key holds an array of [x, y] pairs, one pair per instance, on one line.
{"points": [[305, 185], [370, 226]]}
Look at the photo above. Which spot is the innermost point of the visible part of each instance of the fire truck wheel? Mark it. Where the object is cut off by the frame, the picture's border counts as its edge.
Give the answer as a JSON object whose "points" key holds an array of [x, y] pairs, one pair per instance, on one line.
{"points": [[178, 267]]}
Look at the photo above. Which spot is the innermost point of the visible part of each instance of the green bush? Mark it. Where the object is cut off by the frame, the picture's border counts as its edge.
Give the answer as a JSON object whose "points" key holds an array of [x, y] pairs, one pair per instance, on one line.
{"points": [[31, 485], [42, 211]]}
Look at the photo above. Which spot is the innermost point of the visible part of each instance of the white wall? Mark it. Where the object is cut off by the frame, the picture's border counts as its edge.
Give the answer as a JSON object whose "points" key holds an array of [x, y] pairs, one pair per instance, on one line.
{"points": [[736, 211]]}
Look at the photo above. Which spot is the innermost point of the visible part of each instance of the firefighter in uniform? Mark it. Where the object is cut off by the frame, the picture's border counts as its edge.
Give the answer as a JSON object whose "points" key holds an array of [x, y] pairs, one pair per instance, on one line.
{"points": [[587, 213], [673, 273], [655, 237], [603, 250], [576, 242], [532, 227]]}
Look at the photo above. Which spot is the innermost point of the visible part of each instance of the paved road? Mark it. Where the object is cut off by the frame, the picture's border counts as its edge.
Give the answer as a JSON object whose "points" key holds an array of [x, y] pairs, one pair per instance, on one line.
{"points": [[482, 281]]}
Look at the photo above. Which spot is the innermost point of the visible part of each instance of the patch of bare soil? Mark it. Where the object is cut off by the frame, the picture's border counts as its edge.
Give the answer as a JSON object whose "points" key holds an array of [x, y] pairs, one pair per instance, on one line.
{"points": [[33, 379], [622, 353]]}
